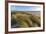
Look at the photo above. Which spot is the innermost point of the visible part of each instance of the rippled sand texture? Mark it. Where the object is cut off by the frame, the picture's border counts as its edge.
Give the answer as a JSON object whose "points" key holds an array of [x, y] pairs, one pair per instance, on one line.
{"points": [[25, 19]]}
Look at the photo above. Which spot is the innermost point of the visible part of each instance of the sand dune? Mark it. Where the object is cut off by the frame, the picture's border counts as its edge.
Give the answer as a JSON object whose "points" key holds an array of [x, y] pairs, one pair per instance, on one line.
{"points": [[25, 19]]}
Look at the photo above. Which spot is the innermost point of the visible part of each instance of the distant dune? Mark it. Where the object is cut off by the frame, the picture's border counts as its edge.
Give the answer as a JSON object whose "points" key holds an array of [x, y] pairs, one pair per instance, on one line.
{"points": [[33, 12]]}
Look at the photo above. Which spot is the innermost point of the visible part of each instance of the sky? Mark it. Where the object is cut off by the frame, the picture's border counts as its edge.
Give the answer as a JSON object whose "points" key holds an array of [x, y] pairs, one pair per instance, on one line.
{"points": [[25, 8]]}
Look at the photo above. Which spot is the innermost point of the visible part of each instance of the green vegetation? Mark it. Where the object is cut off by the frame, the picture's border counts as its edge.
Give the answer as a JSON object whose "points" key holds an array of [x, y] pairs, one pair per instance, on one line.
{"points": [[25, 19]]}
